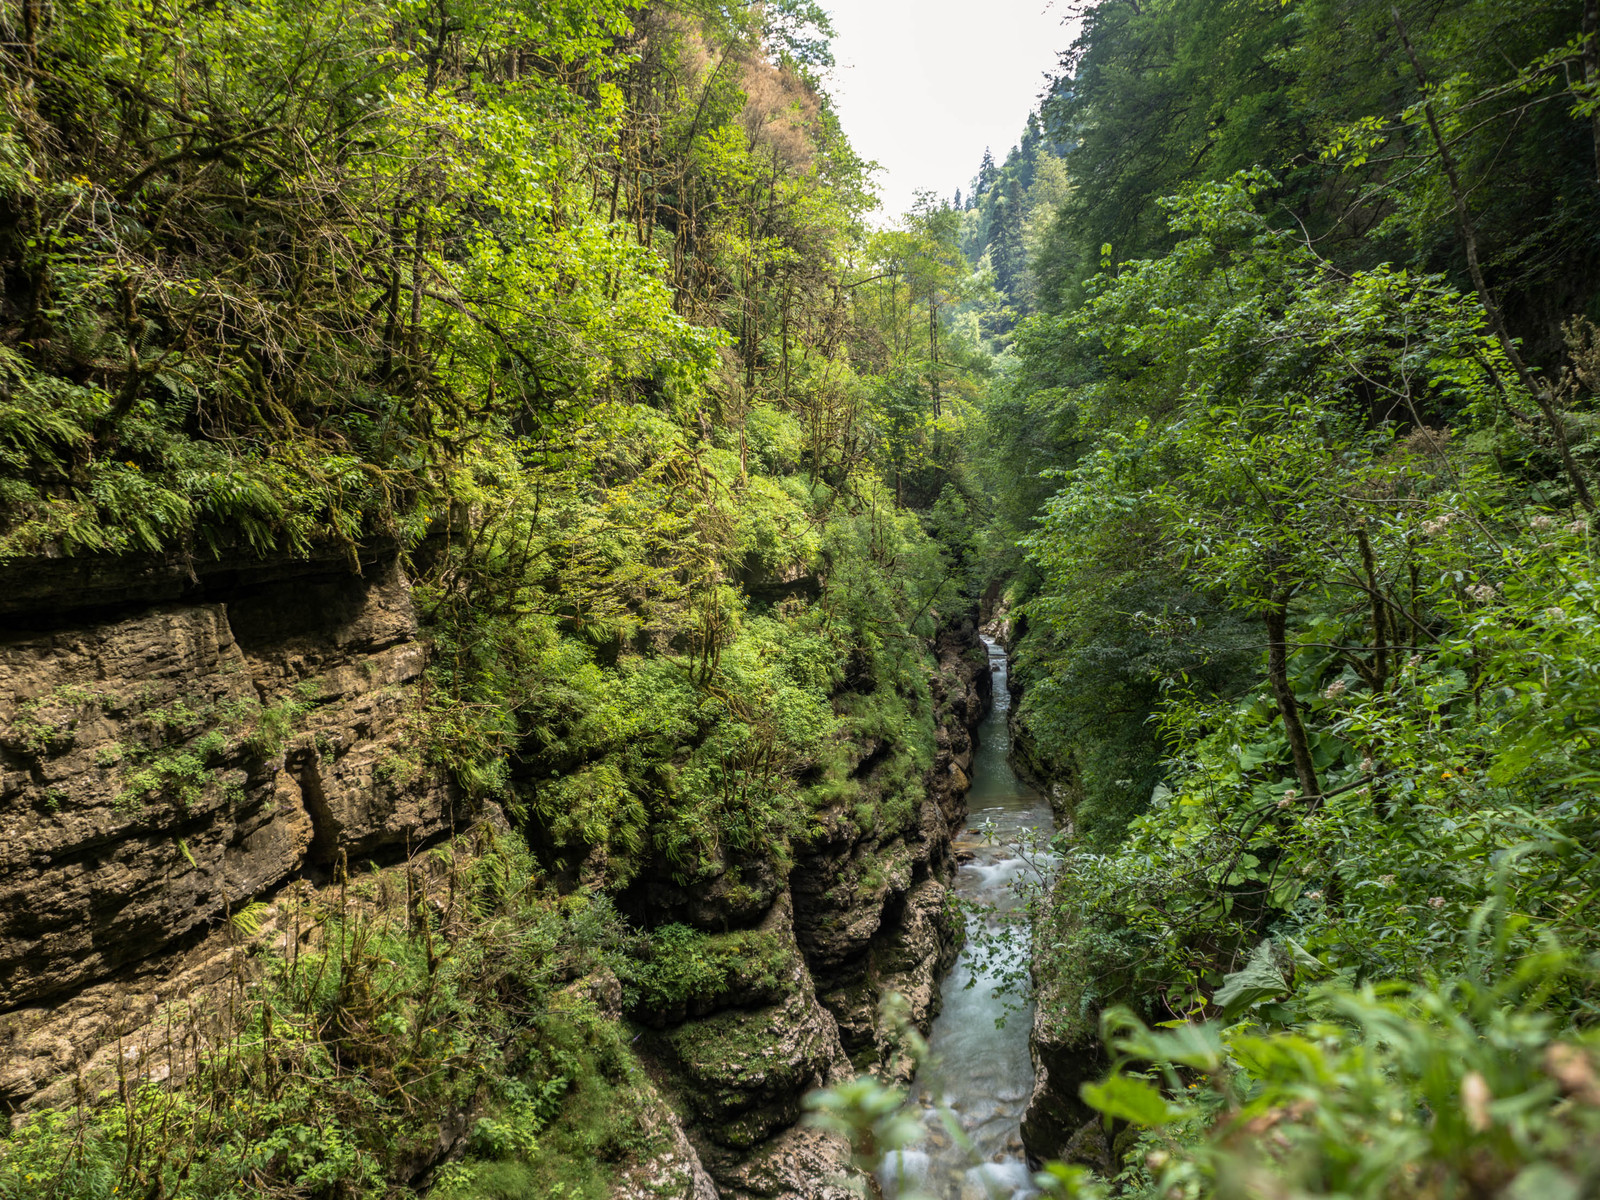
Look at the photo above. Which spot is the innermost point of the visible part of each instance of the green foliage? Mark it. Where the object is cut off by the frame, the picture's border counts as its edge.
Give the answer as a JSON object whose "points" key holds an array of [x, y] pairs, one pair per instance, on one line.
{"points": [[680, 966], [1409, 1089], [149, 406], [351, 1053], [1251, 479], [871, 1115], [274, 725], [1302, 628], [1158, 96]]}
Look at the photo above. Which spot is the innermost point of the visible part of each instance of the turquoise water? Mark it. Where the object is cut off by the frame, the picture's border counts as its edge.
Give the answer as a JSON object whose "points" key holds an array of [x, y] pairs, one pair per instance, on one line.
{"points": [[979, 1076]]}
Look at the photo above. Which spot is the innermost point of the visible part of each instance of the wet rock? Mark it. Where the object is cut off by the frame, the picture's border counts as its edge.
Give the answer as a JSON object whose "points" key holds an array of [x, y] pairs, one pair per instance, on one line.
{"points": [[867, 911], [667, 1167], [870, 912], [1056, 1116], [799, 1164], [743, 1072]]}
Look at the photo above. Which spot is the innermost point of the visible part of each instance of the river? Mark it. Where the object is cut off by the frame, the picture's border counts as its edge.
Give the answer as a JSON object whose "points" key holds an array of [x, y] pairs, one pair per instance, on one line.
{"points": [[978, 1075]]}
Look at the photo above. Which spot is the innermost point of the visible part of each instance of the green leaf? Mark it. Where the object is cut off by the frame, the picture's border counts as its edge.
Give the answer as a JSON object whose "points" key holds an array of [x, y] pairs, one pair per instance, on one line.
{"points": [[1127, 1099], [1183, 1042], [1304, 961], [1259, 980]]}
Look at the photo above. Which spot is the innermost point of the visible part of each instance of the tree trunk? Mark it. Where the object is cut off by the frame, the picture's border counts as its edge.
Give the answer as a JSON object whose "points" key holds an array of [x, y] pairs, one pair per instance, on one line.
{"points": [[1380, 647], [1276, 617], [1469, 241], [788, 295], [30, 30]]}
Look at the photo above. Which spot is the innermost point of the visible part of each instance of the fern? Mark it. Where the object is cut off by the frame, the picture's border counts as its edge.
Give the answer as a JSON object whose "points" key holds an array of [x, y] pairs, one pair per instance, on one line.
{"points": [[248, 920]]}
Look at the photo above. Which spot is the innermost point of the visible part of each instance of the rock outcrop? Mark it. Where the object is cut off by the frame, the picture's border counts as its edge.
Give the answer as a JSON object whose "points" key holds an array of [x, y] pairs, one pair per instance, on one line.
{"points": [[1057, 1124], [1064, 1040], [864, 912], [872, 913], [172, 749], [179, 742]]}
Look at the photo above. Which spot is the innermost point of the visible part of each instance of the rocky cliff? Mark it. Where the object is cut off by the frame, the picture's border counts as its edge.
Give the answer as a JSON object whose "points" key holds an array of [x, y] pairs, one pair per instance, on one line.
{"points": [[864, 914], [172, 747], [179, 743]]}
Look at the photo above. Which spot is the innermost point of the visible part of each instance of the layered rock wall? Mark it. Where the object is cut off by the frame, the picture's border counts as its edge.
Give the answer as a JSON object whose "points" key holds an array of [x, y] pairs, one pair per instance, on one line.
{"points": [[863, 913], [172, 748], [175, 746]]}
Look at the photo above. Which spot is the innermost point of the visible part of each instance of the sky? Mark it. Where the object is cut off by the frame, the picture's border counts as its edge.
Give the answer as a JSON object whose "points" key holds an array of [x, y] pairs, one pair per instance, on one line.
{"points": [[923, 86]]}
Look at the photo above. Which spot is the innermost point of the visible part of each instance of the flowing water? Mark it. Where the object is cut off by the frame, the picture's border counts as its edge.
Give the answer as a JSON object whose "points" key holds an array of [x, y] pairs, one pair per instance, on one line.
{"points": [[979, 1076]]}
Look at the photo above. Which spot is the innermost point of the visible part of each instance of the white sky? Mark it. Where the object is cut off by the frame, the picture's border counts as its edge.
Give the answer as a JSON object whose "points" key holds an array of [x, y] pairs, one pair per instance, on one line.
{"points": [[924, 85]]}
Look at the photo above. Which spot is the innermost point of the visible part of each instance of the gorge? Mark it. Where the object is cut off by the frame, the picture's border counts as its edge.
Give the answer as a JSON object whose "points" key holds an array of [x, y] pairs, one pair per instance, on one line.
{"points": [[548, 648]]}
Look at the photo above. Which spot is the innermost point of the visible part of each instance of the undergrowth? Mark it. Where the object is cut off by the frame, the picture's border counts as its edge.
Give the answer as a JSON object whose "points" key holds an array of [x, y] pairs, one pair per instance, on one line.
{"points": [[387, 1010]]}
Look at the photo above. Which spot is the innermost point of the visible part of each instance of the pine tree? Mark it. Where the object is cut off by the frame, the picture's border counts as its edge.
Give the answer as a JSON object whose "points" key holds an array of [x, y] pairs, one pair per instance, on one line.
{"points": [[987, 172]]}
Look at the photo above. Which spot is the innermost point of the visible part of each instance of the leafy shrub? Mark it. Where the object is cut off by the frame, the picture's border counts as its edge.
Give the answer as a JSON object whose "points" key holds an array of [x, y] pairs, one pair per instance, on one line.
{"points": [[1470, 1085], [351, 1054]]}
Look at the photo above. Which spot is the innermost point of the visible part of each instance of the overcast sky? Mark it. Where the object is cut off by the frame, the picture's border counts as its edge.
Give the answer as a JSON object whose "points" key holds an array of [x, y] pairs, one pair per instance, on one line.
{"points": [[924, 85]]}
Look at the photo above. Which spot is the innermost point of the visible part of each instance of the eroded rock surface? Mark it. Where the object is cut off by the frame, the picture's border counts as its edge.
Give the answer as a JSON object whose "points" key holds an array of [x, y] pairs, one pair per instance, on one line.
{"points": [[866, 912], [1057, 1124], [872, 914], [176, 747], [163, 764], [744, 1071]]}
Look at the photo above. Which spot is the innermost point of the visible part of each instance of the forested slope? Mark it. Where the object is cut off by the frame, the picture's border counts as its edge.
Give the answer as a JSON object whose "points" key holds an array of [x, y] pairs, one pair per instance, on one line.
{"points": [[477, 714], [1302, 403]]}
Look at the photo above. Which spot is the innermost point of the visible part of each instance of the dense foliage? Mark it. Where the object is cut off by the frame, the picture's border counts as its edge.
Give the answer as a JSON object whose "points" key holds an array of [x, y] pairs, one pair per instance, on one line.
{"points": [[1304, 415], [573, 308], [1255, 388]]}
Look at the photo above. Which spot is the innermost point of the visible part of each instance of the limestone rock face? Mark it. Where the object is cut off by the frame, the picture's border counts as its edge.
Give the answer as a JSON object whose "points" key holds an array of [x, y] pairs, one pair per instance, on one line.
{"points": [[48, 1050], [673, 1170], [744, 1071], [164, 762], [738, 1076], [1057, 1123], [179, 740], [867, 914], [93, 874], [798, 1164], [871, 913]]}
